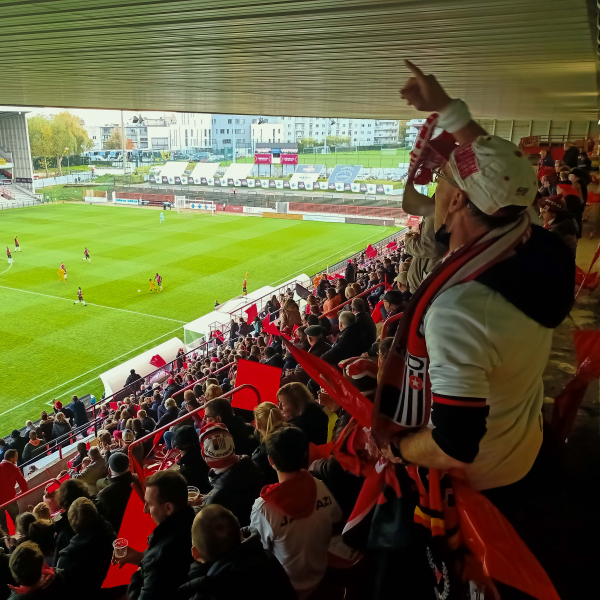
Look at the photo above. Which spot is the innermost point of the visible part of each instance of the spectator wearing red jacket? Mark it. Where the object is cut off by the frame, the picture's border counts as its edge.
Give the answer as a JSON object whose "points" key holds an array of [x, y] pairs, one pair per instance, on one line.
{"points": [[10, 475]]}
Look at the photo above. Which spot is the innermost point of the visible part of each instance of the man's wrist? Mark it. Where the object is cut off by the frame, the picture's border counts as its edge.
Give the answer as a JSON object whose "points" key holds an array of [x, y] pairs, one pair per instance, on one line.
{"points": [[454, 116], [397, 451]]}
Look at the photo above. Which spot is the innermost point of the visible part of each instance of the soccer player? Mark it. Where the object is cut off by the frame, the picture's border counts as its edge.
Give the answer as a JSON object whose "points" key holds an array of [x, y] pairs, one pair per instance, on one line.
{"points": [[9, 256], [158, 279], [80, 296], [162, 217], [244, 285], [152, 286], [17, 247], [62, 275], [62, 266], [86, 255]]}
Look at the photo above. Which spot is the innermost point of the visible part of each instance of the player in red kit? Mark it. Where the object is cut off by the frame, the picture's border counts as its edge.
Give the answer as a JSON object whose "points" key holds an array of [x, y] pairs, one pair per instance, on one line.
{"points": [[158, 280], [80, 296], [86, 254], [17, 247], [9, 256]]}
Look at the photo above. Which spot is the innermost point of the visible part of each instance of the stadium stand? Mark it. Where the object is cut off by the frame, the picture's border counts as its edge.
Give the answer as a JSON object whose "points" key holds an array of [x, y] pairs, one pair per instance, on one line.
{"points": [[340, 487]]}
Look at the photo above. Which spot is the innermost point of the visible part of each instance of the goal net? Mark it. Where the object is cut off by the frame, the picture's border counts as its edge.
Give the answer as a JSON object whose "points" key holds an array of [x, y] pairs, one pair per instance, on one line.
{"points": [[182, 203]]}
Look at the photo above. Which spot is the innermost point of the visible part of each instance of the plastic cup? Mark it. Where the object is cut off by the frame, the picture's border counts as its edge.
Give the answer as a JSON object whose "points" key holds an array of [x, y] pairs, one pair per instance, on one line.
{"points": [[193, 493], [120, 548]]}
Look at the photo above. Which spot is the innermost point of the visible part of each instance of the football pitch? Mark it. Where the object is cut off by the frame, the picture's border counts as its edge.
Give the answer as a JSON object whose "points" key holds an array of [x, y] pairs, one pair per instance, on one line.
{"points": [[52, 348]]}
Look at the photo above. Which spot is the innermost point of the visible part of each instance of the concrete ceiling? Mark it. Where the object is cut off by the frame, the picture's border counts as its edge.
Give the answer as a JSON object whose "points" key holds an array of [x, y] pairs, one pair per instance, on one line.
{"points": [[517, 59]]}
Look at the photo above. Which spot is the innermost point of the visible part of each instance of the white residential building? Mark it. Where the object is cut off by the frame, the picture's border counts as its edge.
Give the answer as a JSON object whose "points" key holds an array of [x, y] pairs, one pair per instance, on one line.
{"points": [[412, 130]]}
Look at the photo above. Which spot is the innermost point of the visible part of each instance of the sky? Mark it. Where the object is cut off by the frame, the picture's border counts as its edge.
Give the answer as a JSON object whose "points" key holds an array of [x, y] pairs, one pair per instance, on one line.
{"points": [[90, 116]]}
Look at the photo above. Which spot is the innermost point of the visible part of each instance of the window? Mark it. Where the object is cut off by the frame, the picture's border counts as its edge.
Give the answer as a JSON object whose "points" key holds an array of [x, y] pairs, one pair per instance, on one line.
{"points": [[239, 131], [369, 125], [229, 121], [237, 121], [227, 141], [317, 125], [160, 143], [214, 121], [242, 121], [222, 131], [205, 133], [363, 125], [279, 131]]}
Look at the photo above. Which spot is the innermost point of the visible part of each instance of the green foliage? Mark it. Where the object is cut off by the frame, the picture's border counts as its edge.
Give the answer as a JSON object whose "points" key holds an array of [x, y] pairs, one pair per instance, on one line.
{"points": [[201, 258], [338, 140], [306, 143], [73, 125], [50, 139]]}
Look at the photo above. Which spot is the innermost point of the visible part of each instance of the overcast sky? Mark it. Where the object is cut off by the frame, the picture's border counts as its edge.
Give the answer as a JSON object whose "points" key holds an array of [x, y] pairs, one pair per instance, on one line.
{"points": [[90, 116]]}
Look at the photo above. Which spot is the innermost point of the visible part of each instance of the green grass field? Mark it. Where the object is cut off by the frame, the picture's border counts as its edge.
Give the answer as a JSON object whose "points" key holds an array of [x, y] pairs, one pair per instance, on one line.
{"points": [[51, 348]]}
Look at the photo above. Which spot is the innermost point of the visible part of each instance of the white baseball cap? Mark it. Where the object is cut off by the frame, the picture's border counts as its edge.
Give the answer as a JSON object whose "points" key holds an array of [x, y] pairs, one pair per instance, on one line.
{"points": [[494, 173]]}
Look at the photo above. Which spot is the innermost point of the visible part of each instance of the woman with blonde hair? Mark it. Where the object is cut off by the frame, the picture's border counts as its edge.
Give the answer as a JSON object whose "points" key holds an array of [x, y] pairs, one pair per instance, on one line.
{"points": [[290, 315], [267, 417], [300, 409], [60, 425], [213, 391]]}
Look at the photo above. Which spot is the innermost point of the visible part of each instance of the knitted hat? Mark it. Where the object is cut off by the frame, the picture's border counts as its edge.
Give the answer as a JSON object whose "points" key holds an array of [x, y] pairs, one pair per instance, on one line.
{"points": [[217, 446], [128, 435], [553, 203], [170, 381], [186, 437], [118, 462], [362, 373], [58, 405]]}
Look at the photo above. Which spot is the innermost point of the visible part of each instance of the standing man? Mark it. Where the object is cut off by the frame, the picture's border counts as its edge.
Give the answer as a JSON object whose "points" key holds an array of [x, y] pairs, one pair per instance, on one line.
{"points": [[86, 255], [152, 286], [79, 412], [158, 279], [477, 334], [10, 475], [165, 563], [162, 217], [80, 296], [9, 256], [17, 247], [62, 266], [62, 275]]}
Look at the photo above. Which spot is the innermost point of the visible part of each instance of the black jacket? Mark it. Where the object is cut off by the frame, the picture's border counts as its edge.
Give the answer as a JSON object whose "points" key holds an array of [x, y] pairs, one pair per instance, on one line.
{"points": [[261, 460], [64, 533], [56, 590], [314, 422], [350, 274], [234, 575], [350, 343], [65, 410], [244, 439], [132, 378], [166, 562], [276, 361], [18, 444], [168, 417], [85, 561], [393, 326], [170, 390], [79, 413], [571, 156], [236, 488], [112, 500], [369, 329], [194, 469], [320, 347]]}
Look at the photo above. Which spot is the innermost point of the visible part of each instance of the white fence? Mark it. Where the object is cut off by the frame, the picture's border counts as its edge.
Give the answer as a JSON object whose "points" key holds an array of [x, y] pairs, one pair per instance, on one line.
{"points": [[73, 178]]}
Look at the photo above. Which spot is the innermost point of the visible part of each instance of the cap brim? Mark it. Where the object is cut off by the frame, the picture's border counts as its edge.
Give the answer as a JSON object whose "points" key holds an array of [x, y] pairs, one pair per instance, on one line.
{"points": [[415, 203]]}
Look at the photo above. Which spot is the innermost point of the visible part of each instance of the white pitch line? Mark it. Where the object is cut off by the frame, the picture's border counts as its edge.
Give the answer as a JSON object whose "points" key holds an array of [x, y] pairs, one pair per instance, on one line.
{"points": [[320, 260], [92, 304], [9, 266], [86, 373]]}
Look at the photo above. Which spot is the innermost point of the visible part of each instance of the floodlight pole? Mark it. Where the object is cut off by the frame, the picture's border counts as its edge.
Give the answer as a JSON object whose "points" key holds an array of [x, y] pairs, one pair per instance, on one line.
{"points": [[124, 143]]}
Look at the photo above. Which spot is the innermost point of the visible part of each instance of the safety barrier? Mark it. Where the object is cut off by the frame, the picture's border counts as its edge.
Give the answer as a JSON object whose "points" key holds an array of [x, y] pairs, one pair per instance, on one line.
{"points": [[27, 493], [201, 380], [337, 308], [138, 468], [381, 212]]}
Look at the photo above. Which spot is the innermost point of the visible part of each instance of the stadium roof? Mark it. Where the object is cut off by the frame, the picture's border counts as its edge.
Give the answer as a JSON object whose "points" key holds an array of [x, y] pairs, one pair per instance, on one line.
{"points": [[507, 58]]}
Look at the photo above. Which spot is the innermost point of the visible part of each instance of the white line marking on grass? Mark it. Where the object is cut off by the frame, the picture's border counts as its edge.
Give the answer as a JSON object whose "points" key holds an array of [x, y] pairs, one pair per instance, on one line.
{"points": [[9, 266], [321, 259], [92, 304], [86, 373]]}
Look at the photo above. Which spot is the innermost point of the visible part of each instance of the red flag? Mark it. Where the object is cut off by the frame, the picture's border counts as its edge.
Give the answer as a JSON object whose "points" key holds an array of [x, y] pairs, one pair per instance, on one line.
{"points": [[392, 245], [333, 382], [376, 314], [251, 313], [271, 329], [567, 403], [316, 452], [497, 546], [266, 321], [264, 378], [135, 528], [158, 361]]}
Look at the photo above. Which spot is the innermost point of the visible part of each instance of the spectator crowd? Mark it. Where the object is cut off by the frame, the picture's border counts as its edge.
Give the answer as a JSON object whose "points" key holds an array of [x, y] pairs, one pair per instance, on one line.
{"points": [[255, 503]]}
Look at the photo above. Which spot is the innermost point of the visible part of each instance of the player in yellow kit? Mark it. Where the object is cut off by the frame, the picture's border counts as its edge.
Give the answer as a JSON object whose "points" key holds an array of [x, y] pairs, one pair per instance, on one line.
{"points": [[61, 274], [153, 287]]}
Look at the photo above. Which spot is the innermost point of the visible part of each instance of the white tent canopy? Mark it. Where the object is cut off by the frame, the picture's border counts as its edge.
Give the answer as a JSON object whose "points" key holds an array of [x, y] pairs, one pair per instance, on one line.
{"points": [[206, 170]]}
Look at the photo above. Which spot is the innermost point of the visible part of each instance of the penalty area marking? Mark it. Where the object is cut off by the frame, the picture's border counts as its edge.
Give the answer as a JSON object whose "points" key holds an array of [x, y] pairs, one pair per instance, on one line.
{"points": [[86, 373], [133, 312]]}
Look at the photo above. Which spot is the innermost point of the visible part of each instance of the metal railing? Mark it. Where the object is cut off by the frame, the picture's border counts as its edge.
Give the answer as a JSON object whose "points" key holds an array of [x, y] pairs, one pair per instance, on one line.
{"points": [[202, 379], [138, 468], [349, 210], [337, 308], [23, 494]]}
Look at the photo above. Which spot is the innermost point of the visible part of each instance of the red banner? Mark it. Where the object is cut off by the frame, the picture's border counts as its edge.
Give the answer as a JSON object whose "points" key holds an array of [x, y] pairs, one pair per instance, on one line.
{"points": [[235, 209], [289, 159], [251, 312], [263, 377], [262, 159]]}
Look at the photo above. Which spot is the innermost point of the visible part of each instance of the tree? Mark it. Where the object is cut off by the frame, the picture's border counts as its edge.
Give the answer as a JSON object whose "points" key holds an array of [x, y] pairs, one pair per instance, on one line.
{"points": [[73, 125], [115, 141], [402, 127], [337, 140], [40, 139], [307, 143], [62, 142]]}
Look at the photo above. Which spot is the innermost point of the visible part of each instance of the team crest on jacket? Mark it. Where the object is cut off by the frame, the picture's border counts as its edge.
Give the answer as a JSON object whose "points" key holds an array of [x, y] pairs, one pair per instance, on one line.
{"points": [[410, 411]]}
